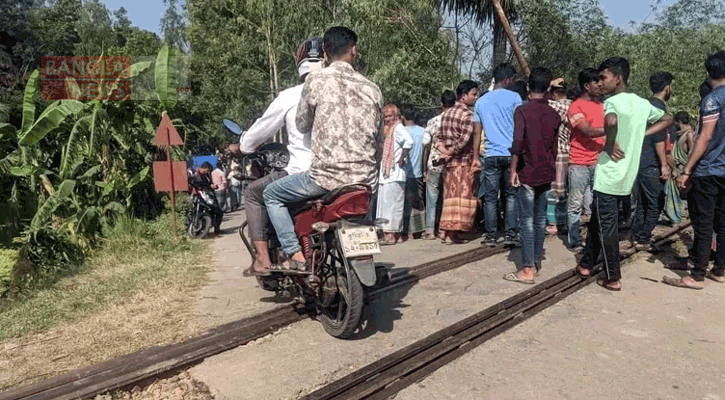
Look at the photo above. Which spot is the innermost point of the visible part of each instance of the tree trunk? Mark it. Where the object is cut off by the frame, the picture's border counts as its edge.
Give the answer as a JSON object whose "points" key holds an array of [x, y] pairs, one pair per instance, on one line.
{"points": [[499, 43]]}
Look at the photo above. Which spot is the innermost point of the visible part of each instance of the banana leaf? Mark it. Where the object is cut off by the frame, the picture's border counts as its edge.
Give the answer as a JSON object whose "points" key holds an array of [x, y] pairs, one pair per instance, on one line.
{"points": [[50, 119], [31, 88], [165, 77]]}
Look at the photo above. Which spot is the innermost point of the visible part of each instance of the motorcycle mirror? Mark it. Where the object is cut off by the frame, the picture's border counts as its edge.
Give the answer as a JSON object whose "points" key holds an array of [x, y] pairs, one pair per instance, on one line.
{"points": [[232, 127]]}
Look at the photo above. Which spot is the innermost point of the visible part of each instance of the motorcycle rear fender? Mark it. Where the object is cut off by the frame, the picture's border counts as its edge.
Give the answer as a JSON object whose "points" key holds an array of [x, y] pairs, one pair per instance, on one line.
{"points": [[364, 267]]}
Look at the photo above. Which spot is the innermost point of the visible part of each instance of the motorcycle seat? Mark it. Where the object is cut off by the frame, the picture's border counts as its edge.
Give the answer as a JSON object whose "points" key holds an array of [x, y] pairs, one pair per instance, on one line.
{"points": [[332, 195], [326, 199]]}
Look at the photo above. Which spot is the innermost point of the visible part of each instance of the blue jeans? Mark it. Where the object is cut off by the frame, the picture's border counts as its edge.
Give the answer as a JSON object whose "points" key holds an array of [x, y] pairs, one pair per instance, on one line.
{"points": [[532, 206], [581, 177], [280, 193], [496, 171], [433, 188]]}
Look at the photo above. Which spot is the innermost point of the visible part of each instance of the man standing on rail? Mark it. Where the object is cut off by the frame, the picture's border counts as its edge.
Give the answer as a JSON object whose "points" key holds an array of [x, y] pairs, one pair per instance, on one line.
{"points": [[344, 109], [533, 168], [626, 116], [705, 171]]}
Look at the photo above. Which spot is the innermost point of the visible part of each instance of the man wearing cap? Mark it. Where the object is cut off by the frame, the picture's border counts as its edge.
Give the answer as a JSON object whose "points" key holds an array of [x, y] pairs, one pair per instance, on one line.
{"points": [[281, 113]]}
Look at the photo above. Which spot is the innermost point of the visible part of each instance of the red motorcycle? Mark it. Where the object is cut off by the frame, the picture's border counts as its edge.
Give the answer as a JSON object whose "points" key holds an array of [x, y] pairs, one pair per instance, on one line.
{"points": [[339, 244]]}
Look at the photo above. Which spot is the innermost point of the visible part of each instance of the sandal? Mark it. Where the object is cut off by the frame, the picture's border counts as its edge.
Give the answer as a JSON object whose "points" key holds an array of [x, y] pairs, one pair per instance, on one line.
{"points": [[428, 236], [601, 282], [512, 277], [678, 282], [253, 272], [384, 242], [717, 278]]}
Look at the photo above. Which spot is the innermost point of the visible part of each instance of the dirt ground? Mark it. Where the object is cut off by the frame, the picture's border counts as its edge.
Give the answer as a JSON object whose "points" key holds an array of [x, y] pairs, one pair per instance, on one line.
{"points": [[299, 358], [649, 341]]}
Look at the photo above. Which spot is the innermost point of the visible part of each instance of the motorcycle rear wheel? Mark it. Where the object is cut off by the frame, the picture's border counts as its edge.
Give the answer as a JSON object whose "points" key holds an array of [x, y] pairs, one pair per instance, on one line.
{"points": [[341, 319], [199, 227]]}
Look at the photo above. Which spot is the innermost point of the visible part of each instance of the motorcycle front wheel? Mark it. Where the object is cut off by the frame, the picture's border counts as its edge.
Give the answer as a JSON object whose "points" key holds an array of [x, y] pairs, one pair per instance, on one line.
{"points": [[199, 227], [342, 318]]}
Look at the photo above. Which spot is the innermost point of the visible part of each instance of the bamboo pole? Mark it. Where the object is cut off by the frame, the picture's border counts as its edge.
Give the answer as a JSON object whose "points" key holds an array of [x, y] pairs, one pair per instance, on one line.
{"points": [[509, 32]]}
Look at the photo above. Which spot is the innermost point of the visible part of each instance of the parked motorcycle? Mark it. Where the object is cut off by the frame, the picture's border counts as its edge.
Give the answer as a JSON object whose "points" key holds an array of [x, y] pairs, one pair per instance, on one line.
{"points": [[338, 242]]}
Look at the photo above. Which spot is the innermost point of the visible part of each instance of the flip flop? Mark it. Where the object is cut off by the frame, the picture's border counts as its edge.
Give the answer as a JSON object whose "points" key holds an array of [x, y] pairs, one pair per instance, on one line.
{"points": [[428, 236], [678, 282], [387, 243], [716, 278], [601, 283], [252, 272], [512, 277]]}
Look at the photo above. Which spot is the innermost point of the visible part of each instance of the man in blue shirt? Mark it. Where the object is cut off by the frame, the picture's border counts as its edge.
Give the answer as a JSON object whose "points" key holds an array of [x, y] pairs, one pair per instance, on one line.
{"points": [[494, 113], [705, 172], [414, 211]]}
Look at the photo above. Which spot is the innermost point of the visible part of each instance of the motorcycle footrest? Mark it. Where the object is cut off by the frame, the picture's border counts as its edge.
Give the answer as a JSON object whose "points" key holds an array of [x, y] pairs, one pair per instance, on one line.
{"points": [[291, 272]]}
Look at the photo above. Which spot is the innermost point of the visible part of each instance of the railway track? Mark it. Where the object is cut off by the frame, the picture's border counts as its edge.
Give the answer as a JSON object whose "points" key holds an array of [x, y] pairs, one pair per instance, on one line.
{"points": [[132, 368], [389, 375]]}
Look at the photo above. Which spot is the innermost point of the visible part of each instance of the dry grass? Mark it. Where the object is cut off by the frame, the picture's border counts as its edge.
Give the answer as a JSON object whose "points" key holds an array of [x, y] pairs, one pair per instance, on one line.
{"points": [[138, 291]]}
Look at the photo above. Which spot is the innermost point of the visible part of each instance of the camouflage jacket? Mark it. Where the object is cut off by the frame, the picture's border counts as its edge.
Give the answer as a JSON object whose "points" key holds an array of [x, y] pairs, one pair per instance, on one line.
{"points": [[343, 110]]}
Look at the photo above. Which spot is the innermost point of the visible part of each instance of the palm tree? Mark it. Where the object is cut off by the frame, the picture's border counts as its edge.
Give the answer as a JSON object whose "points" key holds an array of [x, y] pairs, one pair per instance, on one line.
{"points": [[485, 12]]}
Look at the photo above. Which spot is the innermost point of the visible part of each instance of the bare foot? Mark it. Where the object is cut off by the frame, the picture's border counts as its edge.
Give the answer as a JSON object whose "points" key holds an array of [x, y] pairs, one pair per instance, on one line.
{"points": [[259, 266], [684, 282], [298, 257], [610, 284], [527, 273], [582, 272]]}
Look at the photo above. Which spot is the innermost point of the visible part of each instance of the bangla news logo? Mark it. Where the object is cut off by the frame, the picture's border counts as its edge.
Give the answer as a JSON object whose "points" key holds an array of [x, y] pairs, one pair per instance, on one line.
{"points": [[85, 78]]}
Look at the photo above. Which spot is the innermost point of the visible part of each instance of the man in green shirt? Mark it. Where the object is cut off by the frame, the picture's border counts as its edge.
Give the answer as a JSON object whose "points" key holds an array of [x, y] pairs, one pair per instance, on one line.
{"points": [[626, 117]]}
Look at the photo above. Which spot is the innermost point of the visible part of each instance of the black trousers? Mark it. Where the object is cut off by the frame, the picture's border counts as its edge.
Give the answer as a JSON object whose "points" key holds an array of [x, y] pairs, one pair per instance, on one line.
{"points": [[706, 200], [254, 205], [651, 200], [603, 236]]}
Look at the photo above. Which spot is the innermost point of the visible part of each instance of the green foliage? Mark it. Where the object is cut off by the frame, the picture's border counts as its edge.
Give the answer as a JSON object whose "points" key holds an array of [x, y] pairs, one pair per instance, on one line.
{"points": [[567, 36], [85, 165], [8, 258], [44, 256], [173, 25], [242, 52], [165, 77], [135, 256]]}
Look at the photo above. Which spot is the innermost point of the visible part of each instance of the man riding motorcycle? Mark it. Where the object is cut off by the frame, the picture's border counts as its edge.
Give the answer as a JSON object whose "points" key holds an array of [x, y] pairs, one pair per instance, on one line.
{"points": [[344, 109], [202, 179], [281, 113]]}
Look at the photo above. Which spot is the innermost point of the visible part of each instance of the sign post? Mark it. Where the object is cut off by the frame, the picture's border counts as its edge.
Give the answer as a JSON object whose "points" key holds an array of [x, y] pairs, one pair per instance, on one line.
{"points": [[169, 176]]}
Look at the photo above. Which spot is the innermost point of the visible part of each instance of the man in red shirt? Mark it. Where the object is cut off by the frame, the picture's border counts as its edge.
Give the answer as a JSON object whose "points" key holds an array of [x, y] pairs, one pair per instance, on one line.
{"points": [[533, 157], [586, 115]]}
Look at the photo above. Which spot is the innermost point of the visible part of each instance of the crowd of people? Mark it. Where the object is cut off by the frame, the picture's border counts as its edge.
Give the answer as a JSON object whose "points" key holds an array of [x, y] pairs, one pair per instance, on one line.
{"points": [[506, 155]]}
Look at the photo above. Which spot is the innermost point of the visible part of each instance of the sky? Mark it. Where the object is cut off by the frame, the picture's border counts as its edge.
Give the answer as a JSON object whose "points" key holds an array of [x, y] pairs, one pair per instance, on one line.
{"points": [[146, 14]]}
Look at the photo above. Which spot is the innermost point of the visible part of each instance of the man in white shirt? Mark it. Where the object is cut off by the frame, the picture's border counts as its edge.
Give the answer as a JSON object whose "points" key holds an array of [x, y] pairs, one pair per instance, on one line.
{"points": [[281, 113]]}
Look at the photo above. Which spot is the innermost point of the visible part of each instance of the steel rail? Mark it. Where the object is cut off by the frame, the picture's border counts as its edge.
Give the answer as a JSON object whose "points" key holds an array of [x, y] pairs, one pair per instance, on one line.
{"points": [[389, 375], [129, 369]]}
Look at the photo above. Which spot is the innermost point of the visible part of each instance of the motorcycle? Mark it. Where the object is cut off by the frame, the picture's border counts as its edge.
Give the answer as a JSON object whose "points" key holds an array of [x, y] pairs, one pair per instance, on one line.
{"points": [[203, 201], [339, 243]]}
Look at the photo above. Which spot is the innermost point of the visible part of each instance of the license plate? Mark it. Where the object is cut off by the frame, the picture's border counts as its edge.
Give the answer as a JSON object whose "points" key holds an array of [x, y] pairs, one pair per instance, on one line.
{"points": [[359, 241]]}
